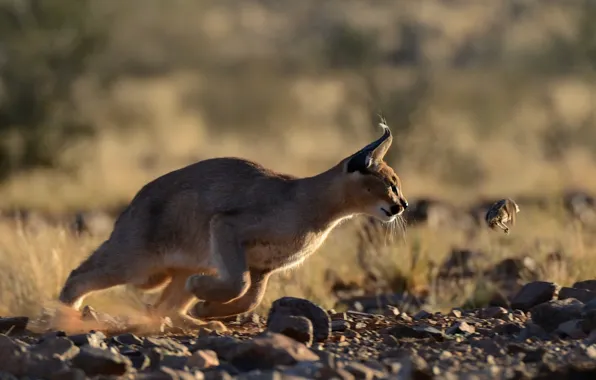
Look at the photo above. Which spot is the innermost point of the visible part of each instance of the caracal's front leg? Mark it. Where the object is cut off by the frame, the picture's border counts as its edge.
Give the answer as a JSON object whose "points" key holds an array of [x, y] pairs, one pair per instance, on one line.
{"points": [[248, 302], [233, 278]]}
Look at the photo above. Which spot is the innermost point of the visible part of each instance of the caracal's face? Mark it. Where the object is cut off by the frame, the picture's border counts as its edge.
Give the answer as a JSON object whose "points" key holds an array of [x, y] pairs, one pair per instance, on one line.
{"points": [[378, 192]]}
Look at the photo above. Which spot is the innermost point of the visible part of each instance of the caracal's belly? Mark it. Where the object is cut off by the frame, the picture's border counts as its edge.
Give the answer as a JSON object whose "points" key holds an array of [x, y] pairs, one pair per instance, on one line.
{"points": [[277, 257]]}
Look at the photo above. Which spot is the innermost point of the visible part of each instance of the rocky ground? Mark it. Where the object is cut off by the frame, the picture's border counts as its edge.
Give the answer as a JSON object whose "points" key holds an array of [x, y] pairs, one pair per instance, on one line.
{"points": [[548, 332], [534, 331]]}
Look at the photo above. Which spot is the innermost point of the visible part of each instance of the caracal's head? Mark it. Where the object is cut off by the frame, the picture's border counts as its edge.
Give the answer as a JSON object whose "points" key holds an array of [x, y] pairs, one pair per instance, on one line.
{"points": [[370, 185]]}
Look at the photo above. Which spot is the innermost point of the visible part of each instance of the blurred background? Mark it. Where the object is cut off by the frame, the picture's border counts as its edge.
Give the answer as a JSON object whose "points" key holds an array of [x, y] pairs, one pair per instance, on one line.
{"points": [[97, 97], [484, 97]]}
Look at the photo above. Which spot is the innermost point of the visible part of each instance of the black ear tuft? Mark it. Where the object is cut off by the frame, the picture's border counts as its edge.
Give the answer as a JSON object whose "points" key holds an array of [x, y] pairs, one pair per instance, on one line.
{"points": [[358, 163]]}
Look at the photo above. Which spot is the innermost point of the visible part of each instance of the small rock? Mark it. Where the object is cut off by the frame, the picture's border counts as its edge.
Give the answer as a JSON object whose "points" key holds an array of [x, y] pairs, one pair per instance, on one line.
{"points": [[37, 366], [337, 316], [361, 371], [165, 343], [418, 332], [297, 328], [68, 374], [13, 325], [166, 373], [267, 351], [489, 346], [582, 295], [532, 330], [95, 361], [321, 322], [550, 315], [422, 314], [203, 359], [390, 311], [139, 360], [351, 334], [492, 312], [586, 285], [360, 325], [222, 345], [572, 329], [507, 329], [534, 293], [455, 313], [460, 328], [93, 339], [63, 347], [335, 373], [127, 339], [591, 352], [13, 354], [339, 325]]}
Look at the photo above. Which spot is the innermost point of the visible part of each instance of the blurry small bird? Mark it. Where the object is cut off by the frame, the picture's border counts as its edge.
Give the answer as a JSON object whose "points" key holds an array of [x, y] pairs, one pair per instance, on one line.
{"points": [[501, 212]]}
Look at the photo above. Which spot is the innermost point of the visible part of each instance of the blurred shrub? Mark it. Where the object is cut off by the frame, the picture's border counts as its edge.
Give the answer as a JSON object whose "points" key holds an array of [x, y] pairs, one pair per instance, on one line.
{"points": [[45, 47]]}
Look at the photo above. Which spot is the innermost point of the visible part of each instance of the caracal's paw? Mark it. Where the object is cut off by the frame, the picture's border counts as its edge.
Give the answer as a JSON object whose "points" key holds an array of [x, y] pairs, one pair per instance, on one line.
{"points": [[211, 288]]}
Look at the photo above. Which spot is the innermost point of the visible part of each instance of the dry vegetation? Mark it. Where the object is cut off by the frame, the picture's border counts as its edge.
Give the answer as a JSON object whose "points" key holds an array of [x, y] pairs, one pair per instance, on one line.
{"points": [[486, 99]]}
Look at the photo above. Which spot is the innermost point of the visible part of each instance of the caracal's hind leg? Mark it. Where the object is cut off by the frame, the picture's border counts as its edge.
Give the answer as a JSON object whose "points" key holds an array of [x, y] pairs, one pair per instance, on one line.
{"points": [[175, 300], [106, 267], [248, 302], [154, 283], [228, 256]]}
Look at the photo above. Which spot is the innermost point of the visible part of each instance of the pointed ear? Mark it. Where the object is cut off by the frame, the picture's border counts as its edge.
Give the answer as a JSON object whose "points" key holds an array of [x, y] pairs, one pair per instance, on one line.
{"points": [[372, 153]]}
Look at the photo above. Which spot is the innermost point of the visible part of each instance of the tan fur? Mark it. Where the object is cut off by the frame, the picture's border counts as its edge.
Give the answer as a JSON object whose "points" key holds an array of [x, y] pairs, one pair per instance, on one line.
{"points": [[216, 230], [501, 212]]}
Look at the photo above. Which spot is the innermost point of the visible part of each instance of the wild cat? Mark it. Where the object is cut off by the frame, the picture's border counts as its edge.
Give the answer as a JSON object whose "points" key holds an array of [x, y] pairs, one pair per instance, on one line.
{"points": [[501, 212], [217, 229]]}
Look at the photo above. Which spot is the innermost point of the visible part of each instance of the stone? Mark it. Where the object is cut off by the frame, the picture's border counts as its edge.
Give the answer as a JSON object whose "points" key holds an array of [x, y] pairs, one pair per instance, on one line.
{"points": [[418, 332], [222, 345], [69, 374], [202, 359], [95, 361], [63, 347], [455, 313], [267, 351], [582, 295], [550, 315], [507, 329], [127, 339], [422, 314], [492, 312], [460, 328], [572, 329], [13, 325], [166, 373], [532, 330], [362, 371], [93, 339], [534, 293], [297, 328], [390, 311], [37, 366], [139, 360], [321, 322], [13, 354], [586, 285], [339, 325], [165, 343]]}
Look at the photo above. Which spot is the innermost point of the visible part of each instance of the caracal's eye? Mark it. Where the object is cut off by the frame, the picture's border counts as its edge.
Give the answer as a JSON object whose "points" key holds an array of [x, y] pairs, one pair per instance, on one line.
{"points": [[394, 189]]}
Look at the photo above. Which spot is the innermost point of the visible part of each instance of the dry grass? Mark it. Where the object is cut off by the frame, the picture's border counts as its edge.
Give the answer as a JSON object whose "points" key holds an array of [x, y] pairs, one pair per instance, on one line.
{"points": [[36, 260]]}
